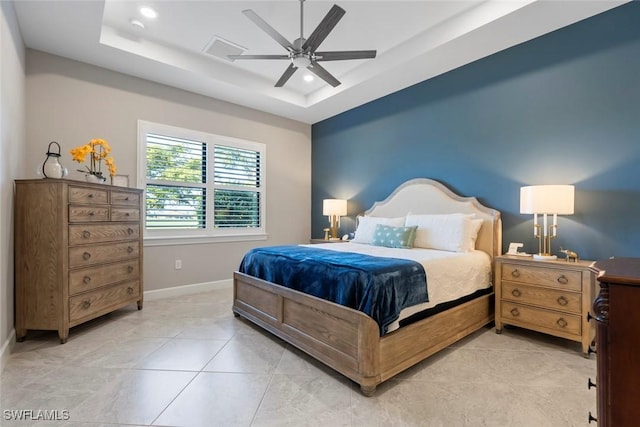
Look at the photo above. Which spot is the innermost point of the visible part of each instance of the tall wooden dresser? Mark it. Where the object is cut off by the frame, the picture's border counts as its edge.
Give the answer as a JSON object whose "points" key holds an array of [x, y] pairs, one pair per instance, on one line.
{"points": [[617, 312], [78, 253]]}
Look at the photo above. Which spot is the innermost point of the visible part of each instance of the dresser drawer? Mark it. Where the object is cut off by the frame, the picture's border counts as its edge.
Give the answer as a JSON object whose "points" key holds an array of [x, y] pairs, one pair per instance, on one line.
{"points": [[87, 255], [96, 233], [88, 195], [556, 278], [101, 301], [125, 198], [125, 214], [544, 297], [87, 213], [547, 319], [94, 277]]}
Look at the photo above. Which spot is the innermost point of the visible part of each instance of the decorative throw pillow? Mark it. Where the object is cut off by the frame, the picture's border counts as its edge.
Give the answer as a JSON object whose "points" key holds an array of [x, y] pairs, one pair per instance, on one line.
{"points": [[394, 237], [367, 226]]}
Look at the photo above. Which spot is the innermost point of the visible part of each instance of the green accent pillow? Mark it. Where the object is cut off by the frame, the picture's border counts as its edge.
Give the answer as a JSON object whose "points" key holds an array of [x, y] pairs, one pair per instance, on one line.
{"points": [[394, 237]]}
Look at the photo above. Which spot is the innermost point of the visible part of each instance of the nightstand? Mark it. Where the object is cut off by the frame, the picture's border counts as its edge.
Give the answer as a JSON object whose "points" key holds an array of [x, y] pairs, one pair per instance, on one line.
{"points": [[553, 297], [314, 241]]}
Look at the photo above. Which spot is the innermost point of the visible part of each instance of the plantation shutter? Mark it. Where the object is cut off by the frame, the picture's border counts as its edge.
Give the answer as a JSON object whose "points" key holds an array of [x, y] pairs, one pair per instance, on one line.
{"points": [[237, 187], [176, 194]]}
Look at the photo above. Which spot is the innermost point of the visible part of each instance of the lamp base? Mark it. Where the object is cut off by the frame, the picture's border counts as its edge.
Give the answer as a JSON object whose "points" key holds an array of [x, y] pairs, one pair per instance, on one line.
{"points": [[544, 257]]}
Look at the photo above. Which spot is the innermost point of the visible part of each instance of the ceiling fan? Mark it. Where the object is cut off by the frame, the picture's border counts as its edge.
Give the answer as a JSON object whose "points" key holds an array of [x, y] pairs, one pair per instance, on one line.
{"points": [[302, 52]]}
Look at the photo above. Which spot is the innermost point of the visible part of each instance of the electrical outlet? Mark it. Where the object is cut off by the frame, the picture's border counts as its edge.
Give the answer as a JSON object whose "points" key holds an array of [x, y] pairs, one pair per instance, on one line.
{"points": [[178, 264]]}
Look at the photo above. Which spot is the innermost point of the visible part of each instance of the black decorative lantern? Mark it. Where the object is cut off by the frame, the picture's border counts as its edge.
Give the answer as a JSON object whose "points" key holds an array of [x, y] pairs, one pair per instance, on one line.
{"points": [[51, 168]]}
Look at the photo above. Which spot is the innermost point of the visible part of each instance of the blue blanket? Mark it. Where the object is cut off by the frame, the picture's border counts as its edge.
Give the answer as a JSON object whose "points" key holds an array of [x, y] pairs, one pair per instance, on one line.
{"points": [[379, 287]]}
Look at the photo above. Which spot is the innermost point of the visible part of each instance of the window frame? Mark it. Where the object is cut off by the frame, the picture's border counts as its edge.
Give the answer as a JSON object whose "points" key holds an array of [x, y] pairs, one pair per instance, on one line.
{"points": [[210, 233]]}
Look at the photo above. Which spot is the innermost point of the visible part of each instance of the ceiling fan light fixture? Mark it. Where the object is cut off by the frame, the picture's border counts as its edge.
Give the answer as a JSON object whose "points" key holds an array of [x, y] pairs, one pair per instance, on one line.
{"points": [[308, 78], [301, 61]]}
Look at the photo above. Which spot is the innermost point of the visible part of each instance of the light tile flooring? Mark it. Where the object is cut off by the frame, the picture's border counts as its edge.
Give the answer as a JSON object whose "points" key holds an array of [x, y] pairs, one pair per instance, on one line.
{"points": [[188, 362]]}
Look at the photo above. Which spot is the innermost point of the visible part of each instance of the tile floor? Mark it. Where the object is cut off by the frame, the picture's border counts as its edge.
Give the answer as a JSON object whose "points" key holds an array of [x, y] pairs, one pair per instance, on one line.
{"points": [[188, 362]]}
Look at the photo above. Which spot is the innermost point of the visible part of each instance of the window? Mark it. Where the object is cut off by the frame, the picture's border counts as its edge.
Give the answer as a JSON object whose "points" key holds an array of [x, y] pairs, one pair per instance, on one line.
{"points": [[200, 185]]}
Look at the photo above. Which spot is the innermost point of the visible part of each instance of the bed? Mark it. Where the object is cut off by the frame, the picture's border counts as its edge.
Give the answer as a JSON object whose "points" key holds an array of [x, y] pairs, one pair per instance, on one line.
{"points": [[351, 342]]}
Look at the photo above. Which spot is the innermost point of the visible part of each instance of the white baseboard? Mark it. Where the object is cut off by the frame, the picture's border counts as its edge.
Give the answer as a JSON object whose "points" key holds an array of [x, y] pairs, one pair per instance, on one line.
{"points": [[196, 288], [6, 348]]}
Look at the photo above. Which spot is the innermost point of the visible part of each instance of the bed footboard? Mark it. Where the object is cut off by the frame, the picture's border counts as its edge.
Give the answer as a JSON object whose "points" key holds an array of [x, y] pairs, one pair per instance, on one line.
{"points": [[344, 339], [347, 340]]}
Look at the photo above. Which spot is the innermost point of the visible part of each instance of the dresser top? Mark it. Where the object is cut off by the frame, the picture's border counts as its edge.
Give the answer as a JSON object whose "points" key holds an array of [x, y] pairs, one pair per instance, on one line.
{"points": [[42, 181], [618, 270]]}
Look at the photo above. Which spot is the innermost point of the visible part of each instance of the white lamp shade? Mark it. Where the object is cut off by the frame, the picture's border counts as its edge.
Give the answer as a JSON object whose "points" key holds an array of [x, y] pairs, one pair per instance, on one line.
{"points": [[334, 207], [547, 199]]}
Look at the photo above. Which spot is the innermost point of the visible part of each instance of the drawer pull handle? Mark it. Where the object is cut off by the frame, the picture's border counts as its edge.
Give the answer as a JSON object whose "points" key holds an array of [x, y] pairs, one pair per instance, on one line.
{"points": [[592, 418], [515, 273], [516, 293], [515, 312], [590, 384], [562, 279], [562, 323], [129, 268], [90, 195], [86, 304], [130, 231], [86, 280], [129, 249], [126, 198], [91, 213], [562, 301], [86, 234], [86, 256], [130, 290]]}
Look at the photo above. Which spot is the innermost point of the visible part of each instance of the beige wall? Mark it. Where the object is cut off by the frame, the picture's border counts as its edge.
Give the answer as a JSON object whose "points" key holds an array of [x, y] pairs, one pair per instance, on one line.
{"points": [[72, 102], [12, 155]]}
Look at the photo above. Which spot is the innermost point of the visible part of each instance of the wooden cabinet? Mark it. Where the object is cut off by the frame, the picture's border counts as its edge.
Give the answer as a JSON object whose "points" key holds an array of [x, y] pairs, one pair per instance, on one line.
{"points": [[78, 252], [553, 297], [616, 309]]}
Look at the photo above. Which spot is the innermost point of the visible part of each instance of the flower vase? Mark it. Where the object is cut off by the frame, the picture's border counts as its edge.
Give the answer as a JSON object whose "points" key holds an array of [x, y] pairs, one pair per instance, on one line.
{"points": [[95, 179]]}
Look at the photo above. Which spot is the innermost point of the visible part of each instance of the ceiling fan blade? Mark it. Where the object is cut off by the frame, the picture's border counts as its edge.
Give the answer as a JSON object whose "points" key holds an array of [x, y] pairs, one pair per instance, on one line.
{"points": [[234, 57], [264, 26], [323, 29], [285, 76], [319, 71], [344, 54]]}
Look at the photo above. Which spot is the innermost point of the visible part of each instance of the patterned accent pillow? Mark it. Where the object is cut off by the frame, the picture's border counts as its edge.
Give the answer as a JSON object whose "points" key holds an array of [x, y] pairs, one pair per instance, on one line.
{"points": [[394, 237]]}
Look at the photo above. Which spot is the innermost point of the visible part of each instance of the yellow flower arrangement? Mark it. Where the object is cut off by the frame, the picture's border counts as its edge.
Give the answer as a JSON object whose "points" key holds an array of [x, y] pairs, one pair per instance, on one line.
{"points": [[98, 150]]}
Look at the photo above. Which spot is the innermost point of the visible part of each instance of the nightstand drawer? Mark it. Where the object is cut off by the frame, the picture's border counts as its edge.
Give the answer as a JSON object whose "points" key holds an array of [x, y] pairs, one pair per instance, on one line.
{"points": [[547, 319], [556, 278], [544, 297]]}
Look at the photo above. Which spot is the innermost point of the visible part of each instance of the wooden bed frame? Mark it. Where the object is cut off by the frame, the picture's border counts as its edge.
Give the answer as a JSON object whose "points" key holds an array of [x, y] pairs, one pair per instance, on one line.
{"points": [[348, 340]]}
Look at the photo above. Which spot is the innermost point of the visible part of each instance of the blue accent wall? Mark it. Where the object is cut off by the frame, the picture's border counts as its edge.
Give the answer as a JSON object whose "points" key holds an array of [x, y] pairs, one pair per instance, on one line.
{"points": [[563, 108]]}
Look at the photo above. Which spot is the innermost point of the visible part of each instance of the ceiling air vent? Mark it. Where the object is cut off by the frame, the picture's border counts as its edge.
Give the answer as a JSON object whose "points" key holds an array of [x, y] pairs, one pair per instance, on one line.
{"points": [[220, 48]]}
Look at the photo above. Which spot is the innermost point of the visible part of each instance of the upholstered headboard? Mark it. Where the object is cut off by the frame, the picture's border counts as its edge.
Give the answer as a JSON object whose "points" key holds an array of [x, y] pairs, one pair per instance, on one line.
{"points": [[426, 196]]}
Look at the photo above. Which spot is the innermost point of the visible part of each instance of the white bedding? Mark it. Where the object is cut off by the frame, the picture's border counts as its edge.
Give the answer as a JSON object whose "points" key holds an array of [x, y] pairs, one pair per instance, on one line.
{"points": [[450, 275]]}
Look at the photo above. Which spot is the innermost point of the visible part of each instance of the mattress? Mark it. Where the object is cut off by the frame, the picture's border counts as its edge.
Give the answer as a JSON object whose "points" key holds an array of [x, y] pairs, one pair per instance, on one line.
{"points": [[450, 275]]}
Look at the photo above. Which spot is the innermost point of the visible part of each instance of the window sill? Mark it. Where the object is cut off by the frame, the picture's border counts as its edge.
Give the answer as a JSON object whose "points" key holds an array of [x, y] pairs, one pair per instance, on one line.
{"points": [[200, 240]]}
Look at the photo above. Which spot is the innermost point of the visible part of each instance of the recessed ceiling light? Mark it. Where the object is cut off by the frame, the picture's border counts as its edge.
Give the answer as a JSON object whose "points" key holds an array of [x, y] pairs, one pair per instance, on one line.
{"points": [[138, 25], [308, 78], [147, 12]]}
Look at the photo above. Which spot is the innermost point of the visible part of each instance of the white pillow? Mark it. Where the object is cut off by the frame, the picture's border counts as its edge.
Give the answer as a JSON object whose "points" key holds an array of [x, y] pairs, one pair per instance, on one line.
{"points": [[474, 229], [367, 227], [445, 232]]}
